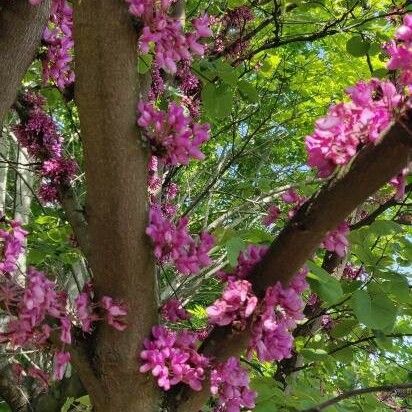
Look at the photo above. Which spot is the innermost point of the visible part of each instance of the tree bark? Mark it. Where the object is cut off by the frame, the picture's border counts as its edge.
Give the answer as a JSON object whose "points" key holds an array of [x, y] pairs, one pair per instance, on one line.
{"points": [[21, 27], [116, 178]]}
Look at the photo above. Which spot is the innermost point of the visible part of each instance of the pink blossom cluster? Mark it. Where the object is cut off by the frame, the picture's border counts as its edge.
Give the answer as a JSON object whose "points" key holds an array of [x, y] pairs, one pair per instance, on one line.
{"points": [[38, 134], [272, 215], [173, 136], [245, 262], [399, 183], [400, 51], [173, 311], [349, 126], [173, 243], [231, 37], [230, 383], [172, 358], [107, 309], [275, 318], [171, 44], [38, 308], [292, 197], [236, 304], [58, 38], [13, 241], [336, 240]]}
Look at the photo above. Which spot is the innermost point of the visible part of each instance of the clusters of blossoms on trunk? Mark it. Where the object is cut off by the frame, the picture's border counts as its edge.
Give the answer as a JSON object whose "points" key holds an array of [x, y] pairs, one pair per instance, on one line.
{"points": [[349, 126], [171, 44], [336, 240], [39, 311], [174, 244], [173, 136], [231, 38], [230, 383], [58, 38], [172, 357], [173, 311], [39, 135], [400, 52]]}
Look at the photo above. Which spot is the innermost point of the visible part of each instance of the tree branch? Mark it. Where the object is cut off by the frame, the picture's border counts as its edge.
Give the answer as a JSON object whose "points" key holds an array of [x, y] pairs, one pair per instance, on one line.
{"points": [[357, 392], [368, 220], [21, 27], [373, 167]]}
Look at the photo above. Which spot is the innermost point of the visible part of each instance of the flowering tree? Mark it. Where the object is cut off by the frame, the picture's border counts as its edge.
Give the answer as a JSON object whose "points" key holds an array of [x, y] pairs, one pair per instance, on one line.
{"points": [[170, 239]]}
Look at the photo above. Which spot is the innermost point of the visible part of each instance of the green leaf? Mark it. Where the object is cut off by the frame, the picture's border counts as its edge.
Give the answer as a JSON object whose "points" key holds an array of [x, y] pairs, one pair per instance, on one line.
{"points": [[344, 328], [323, 284], [226, 72], [380, 73], [374, 311], [344, 355], [313, 354], [67, 404], [385, 227], [357, 47], [144, 63], [217, 100], [233, 247], [248, 91]]}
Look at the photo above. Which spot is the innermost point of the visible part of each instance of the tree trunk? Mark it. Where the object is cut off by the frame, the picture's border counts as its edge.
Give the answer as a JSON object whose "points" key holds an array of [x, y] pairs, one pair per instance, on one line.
{"points": [[21, 27], [116, 176]]}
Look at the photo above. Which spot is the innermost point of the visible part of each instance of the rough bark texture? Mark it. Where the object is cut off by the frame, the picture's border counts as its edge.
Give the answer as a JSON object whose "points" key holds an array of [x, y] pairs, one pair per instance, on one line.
{"points": [[21, 27], [116, 178], [372, 168], [11, 392]]}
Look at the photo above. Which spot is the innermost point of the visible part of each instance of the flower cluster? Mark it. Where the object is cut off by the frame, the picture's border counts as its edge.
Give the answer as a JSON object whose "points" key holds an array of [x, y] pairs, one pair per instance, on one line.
{"points": [[58, 38], [275, 318], [171, 44], [236, 304], [245, 262], [231, 38], [348, 126], [173, 243], [173, 311], [230, 382], [336, 240], [172, 358], [38, 308], [272, 215], [400, 51], [39, 135], [13, 241], [173, 136]]}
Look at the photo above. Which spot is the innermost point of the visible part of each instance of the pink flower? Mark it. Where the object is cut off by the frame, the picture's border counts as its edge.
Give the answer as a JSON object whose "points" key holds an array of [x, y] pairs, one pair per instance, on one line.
{"points": [[173, 243], [59, 40], [348, 126], [235, 306], [173, 136], [230, 383], [61, 360], [336, 240], [275, 318], [173, 311], [271, 216], [115, 313], [172, 358], [84, 311], [245, 262]]}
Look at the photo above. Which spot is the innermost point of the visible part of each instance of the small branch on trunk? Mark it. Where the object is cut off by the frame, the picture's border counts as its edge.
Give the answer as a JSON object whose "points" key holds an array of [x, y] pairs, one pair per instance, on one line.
{"points": [[357, 392]]}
